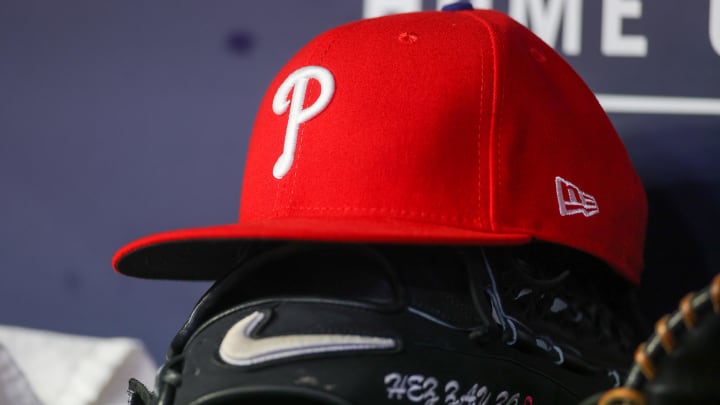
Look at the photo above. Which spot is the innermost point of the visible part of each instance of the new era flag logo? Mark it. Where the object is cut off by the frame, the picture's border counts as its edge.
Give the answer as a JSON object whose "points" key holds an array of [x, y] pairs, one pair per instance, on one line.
{"points": [[572, 200]]}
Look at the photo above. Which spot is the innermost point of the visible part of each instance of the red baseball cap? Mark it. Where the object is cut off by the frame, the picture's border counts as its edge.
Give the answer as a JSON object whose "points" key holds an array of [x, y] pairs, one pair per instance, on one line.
{"points": [[439, 127]]}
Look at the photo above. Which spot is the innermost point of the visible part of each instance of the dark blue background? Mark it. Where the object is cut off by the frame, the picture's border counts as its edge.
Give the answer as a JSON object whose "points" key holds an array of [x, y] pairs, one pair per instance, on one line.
{"points": [[119, 119]]}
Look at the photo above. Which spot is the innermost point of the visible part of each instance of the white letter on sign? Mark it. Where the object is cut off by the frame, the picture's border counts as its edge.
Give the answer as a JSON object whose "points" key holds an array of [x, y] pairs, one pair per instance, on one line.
{"points": [[612, 40], [378, 8], [715, 25], [297, 82], [545, 18]]}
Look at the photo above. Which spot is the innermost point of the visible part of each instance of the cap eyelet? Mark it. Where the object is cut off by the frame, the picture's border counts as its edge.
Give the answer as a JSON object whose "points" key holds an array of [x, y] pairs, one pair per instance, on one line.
{"points": [[408, 37]]}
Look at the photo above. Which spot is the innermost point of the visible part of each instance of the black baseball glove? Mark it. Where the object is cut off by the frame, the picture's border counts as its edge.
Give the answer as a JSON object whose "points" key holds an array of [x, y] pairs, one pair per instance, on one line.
{"points": [[347, 324]]}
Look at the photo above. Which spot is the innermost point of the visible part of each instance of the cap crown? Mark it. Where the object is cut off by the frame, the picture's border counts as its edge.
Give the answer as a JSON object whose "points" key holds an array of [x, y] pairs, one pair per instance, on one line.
{"points": [[462, 121]]}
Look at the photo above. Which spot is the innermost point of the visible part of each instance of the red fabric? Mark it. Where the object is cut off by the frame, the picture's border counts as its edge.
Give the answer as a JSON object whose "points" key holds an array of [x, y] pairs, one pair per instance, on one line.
{"points": [[444, 127]]}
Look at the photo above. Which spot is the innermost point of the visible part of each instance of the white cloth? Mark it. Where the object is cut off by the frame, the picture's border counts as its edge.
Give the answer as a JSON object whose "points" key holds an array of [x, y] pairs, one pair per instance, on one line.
{"points": [[42, 367], [14, 388]]}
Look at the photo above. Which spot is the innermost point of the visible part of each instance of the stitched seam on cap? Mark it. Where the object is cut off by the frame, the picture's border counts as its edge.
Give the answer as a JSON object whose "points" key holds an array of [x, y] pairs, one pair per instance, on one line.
{"points": [[478, 145], [491, 152], [278, 187], [400, 213], [301, 133]]}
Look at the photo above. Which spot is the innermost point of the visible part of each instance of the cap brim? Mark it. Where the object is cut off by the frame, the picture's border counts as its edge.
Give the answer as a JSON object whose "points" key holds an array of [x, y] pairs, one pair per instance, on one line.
{"points": [[209, 252]]}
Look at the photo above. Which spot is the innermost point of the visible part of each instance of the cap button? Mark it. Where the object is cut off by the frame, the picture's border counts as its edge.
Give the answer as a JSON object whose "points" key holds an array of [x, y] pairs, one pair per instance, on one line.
{"points": [[458, 6]]}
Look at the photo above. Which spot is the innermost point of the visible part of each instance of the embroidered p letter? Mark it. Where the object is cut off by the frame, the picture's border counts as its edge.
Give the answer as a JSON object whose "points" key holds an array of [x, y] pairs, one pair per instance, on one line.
{"points": [[298, 82]]}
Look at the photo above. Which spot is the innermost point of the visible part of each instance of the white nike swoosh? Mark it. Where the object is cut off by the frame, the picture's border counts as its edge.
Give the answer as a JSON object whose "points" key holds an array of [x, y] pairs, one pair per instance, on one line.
{"points": [[240, 349]]}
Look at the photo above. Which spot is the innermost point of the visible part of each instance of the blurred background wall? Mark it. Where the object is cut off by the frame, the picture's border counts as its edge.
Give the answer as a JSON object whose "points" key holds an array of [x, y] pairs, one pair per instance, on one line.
{"points": [[120, 118]]}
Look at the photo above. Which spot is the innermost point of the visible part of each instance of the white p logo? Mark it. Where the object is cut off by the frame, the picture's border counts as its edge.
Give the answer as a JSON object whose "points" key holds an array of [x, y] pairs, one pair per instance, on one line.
{"points": [[298, 82]]}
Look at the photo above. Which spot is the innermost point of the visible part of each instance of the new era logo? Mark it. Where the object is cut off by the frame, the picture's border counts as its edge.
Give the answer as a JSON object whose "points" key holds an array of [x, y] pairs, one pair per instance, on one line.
{"points": [[572, 200]]}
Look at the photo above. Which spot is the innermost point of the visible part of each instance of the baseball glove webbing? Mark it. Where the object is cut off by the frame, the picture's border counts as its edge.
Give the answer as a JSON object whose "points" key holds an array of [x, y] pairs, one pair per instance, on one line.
{"points": [[698, 313]]}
